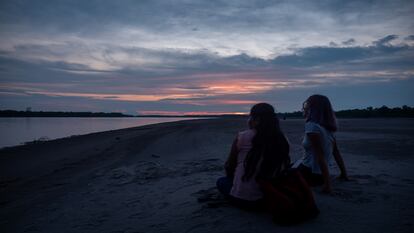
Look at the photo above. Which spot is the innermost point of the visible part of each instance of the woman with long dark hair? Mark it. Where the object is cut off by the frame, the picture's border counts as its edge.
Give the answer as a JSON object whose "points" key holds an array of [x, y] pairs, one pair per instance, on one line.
{"points": [[320, 143], [258, 153]]}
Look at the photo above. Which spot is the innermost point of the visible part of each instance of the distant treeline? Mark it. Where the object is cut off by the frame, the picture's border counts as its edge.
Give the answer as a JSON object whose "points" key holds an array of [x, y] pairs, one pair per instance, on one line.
{"points": [[384, 111], [12, 113]]}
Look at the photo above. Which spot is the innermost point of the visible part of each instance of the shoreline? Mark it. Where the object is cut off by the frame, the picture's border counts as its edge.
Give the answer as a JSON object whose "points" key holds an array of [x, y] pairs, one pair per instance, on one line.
{"points": [[149, 178], [43, 139], [38, 134]]}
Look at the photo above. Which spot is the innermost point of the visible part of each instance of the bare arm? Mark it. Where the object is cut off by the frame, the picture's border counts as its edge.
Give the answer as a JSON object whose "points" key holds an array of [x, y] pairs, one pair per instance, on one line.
{"points": [[231, 163], [339, 161], [315, 140]]}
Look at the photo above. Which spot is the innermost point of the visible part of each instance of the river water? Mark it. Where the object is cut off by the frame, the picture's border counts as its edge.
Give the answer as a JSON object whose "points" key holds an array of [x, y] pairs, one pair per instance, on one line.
{"points": [[16, 131]]}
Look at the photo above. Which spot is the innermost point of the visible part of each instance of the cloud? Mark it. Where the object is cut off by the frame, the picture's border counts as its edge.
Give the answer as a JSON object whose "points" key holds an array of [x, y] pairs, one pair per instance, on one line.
{"points": [[349, 42], [194, 69], [194, 113], [318, 56], [333, 44], [256, 28], [385, 41], [200, 55]]}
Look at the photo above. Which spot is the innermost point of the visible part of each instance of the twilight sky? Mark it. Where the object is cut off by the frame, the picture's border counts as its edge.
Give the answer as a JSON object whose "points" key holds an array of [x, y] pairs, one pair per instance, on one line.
{"points": [[187, 56]]}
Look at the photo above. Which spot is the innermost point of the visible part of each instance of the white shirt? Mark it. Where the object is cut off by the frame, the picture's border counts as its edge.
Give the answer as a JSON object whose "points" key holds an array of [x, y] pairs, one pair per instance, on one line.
{"points": [[327, 140]]}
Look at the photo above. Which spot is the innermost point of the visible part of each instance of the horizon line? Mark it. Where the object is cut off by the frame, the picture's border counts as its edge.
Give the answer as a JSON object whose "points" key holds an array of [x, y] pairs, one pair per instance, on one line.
{"points": [[184, 114]]}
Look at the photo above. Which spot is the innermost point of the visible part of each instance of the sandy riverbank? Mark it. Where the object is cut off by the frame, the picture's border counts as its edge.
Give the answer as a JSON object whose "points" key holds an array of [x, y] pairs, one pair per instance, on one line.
{"points": [[149, 179]]}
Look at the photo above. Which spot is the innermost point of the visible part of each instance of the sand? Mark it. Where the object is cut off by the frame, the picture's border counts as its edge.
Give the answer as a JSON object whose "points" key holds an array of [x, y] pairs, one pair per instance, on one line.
{"points": [[161, 178]]}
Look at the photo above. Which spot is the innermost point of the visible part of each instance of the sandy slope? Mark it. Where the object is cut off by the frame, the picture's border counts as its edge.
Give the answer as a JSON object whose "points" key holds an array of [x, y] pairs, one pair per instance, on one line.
{"points": [[149, 179]]}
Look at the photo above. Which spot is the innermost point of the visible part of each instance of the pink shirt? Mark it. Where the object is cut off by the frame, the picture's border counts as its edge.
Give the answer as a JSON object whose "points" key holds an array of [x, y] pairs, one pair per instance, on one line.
{"points": [[246, 190]]}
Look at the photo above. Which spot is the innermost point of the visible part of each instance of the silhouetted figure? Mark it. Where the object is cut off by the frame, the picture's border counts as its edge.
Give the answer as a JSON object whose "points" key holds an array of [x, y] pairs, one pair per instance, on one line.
{"points": [[320, 143], [260, 152]]}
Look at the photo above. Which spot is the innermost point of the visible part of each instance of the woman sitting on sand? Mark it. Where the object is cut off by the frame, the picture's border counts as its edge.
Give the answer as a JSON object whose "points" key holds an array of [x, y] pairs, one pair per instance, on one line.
{"points": [[319, 143], [261, 152]]}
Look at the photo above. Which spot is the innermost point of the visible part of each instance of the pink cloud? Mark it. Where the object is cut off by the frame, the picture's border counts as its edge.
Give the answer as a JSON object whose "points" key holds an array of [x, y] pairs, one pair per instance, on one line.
{"points": [[189, 113]]}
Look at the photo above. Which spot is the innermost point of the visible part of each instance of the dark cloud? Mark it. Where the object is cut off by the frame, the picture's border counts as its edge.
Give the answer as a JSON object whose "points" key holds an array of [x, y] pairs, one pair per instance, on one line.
{"points": [[333, 44], [74, 67], [14, 70], [317, 56], [155, 15], [385, 41], [349, 42], [93, 16], [176, 63]]}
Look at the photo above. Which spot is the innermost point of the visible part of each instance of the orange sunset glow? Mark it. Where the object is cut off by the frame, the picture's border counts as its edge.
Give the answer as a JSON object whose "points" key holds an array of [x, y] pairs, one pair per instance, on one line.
{"points": [[175, 113]]}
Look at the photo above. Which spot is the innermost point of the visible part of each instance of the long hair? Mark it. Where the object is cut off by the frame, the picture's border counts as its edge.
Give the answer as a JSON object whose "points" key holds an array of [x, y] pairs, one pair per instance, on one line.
{"points": [[269, 145], [318, 109]]}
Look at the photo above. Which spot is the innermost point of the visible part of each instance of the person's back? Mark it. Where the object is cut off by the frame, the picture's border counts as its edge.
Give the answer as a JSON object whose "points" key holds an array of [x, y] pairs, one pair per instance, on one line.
{"points": [[319, 143], [259, 153], [249, 189], [327, 139]]}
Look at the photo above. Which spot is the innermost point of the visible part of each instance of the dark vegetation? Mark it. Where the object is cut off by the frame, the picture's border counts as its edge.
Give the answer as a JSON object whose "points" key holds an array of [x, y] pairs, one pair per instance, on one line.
{"points": [[12, 113], [370, 112]]}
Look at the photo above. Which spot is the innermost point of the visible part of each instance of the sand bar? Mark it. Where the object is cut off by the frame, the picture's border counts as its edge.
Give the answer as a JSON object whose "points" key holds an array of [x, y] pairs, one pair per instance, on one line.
{"points": [[150, 178]]}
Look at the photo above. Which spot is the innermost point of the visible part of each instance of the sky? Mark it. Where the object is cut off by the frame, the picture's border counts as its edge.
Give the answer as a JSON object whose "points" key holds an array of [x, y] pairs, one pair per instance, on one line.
{"points": [[204, 57]]}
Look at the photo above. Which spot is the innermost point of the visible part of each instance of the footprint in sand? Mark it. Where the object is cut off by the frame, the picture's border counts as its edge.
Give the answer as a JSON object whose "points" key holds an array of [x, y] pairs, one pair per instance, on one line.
{"points": [[145, 171], [122, 175], [163, 205], [132, 203], [353, 196], [408, 181], [141, 172], [32, 228], [352, 191], [207, 165], [369, 180], [211, 197], [137, 215]]}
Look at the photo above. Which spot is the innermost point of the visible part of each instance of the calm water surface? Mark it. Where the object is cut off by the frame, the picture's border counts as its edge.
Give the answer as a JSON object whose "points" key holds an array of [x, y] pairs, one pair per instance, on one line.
{"points": [[16, 131]]}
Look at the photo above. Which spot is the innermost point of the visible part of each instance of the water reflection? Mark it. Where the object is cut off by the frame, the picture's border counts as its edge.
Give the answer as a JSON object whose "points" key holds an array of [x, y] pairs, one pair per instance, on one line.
{"points": [[15, 131]]}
